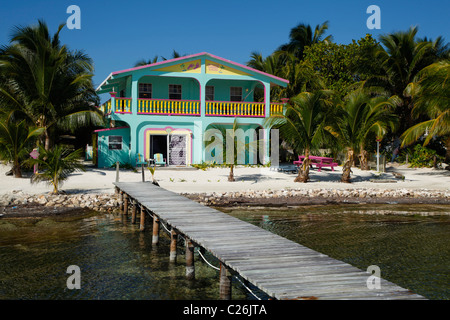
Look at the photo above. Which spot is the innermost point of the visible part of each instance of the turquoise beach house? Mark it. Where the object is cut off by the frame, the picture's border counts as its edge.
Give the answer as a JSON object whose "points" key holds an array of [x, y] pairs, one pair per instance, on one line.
{"points": [[165, 108]]}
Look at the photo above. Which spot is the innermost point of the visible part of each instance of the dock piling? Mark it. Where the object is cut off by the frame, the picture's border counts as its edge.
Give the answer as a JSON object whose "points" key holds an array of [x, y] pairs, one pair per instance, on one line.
{"points": [[142, 220], [133, 212], [190, 267], [225, 283], [173, 246], [155, 237], [125, 204]]}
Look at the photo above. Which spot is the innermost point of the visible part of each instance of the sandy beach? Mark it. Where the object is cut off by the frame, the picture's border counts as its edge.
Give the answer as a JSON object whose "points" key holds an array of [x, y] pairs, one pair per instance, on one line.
{"points": [[189, 180]]}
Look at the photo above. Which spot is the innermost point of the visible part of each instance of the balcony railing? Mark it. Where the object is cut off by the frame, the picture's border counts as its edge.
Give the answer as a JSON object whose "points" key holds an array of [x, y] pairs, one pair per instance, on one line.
{"points": [[192, 108], [123, 105], [276, 109], [234, 109], [169, 107]]}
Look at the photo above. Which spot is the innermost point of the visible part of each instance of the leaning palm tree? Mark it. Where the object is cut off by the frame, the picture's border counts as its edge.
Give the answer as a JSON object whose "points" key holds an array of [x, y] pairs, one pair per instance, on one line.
{"points": [[302, 125], [431, 97], [16, 140], [356, 117], [55, 165], [47, 84]]}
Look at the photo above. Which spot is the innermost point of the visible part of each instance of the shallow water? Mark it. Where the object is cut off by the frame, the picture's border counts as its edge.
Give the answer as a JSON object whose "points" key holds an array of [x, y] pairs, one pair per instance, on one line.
{"points": [[119, 262], [412, 250]]}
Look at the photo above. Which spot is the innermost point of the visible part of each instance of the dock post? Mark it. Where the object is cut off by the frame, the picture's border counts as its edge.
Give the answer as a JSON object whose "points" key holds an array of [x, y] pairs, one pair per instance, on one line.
{"points": [[190, 267], [121, 200], [173, 246], [117, 171], [133, 212], [225, 283], [142, 220], [125, 204], [155, 237]]}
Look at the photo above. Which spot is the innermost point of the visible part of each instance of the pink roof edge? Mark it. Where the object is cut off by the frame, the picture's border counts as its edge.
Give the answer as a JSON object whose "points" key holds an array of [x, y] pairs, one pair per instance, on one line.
{"points": [[201, 54]]}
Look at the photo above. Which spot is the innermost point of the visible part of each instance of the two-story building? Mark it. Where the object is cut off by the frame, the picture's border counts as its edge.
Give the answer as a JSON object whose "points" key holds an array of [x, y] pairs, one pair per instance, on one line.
{"points": [[165, 107]]}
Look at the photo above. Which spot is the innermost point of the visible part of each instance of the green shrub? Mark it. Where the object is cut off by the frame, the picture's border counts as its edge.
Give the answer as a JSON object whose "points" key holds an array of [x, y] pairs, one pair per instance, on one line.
{"points": [[420, 157]]}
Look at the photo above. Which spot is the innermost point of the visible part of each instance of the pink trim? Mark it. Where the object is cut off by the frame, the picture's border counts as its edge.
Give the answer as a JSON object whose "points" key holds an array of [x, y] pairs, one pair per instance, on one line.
{"points": [[201, 54], [168, 100], [168, 127], [247, 102], [233, 115], [123, 112], [171, 114], [113, 94], [108, 129]]}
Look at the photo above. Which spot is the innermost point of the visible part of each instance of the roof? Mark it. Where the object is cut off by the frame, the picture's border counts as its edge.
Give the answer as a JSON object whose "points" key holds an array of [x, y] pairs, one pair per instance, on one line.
{"points": [[189, 57]]}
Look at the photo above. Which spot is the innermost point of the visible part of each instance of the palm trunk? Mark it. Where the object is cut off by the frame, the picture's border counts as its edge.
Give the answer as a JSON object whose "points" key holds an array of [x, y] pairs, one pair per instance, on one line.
{"points": [[16, 169], [231, 176], [363, 159], [447, 153], [347, 168], [303, 173]]}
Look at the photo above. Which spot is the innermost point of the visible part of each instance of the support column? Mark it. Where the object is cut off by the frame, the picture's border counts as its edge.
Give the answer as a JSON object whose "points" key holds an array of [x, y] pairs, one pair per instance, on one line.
{"points": [[173, 246], [155, 237], [190, 267], [142, 220], [121, 201], [133, 212], [125, 204], [225, 283]]}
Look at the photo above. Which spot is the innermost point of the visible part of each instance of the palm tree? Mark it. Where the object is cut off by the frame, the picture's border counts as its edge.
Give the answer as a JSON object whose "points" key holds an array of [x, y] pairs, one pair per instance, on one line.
{"points": [[431, 97], [356, 117], [302, 125], [16, 139], [302, 36], [55, 165], [45, 83], [401, 59], [228, 138], [144, 62]]}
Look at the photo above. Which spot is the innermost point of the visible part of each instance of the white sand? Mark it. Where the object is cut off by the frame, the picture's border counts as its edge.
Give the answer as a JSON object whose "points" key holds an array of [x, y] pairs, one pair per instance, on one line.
{"points": [[215, 180]]}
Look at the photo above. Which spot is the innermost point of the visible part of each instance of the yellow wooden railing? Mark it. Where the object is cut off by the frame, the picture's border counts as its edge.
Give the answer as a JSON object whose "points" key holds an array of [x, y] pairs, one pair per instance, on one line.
{"points": [[106, 107], [238, 109], [123, 105], [164, 106], [276, 109]]}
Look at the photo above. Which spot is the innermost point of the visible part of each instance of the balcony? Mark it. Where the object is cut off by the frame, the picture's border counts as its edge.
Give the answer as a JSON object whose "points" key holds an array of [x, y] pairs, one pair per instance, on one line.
{"points": [[192, 108], [169, 107]]}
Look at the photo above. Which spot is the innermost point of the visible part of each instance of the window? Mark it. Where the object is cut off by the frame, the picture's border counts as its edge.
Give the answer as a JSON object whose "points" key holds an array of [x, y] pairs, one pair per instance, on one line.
{"points": [[236, 94], [115, 142], [209, 93], [175, 91], [145, 90]]}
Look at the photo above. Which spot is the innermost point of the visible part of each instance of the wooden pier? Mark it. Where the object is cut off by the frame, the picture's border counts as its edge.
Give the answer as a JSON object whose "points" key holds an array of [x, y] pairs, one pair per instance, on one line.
{"points": [[279, 267]]}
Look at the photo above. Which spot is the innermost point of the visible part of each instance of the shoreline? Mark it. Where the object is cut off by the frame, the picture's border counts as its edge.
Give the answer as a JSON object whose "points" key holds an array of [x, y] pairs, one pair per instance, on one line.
{"points": [[22, 205]]}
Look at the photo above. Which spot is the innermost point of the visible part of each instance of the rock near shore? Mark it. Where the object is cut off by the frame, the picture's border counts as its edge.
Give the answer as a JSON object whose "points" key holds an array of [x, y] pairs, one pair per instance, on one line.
{"points": [[97, 202]]}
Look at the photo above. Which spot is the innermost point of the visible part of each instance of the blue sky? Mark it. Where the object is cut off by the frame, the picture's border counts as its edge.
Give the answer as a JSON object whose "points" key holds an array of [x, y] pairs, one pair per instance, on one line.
{"points": [[116, 34]]}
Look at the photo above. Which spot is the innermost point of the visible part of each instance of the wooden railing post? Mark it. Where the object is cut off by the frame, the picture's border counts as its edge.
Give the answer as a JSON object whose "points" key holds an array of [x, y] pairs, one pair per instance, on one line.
{"points": [[190, 267]]}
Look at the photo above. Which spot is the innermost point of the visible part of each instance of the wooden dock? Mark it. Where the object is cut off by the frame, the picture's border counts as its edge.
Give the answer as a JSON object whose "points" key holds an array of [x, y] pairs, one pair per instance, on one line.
{"points": [[279, 267]]}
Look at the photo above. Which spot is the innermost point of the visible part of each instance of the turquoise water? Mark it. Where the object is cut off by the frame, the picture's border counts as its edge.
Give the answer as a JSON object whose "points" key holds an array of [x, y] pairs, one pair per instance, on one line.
{"points": [[119, 262]]}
